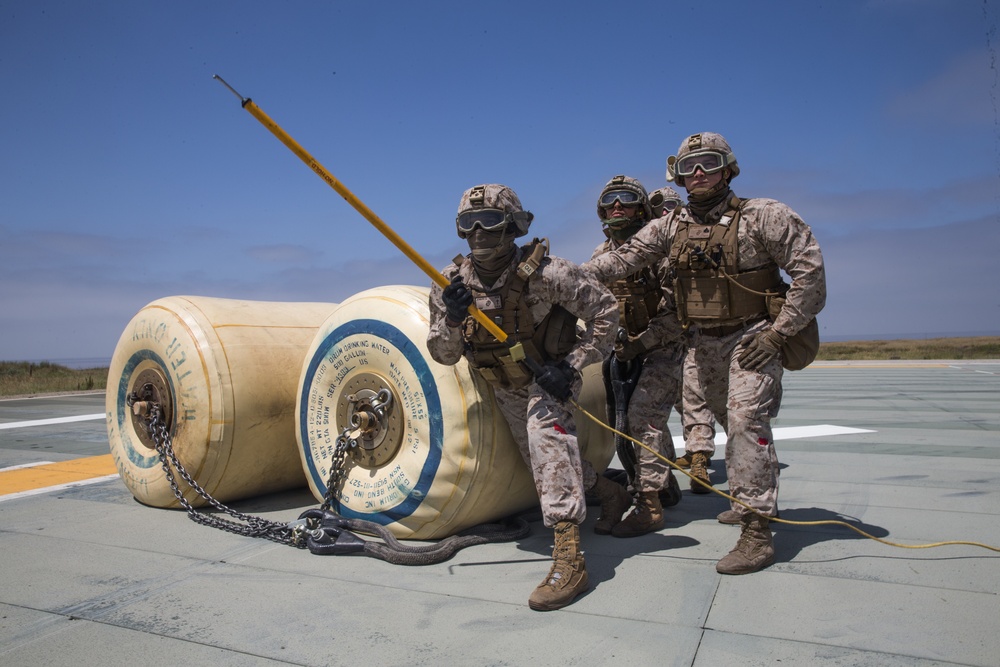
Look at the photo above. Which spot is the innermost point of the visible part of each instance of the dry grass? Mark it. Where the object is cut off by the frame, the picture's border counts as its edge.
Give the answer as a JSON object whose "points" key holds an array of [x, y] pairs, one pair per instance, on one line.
{"points": [[23, 378], [978, 347]]}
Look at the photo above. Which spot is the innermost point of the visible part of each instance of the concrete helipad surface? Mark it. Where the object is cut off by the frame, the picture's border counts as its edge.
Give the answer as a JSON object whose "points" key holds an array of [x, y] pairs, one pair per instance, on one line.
{"points": [[908, 452]]}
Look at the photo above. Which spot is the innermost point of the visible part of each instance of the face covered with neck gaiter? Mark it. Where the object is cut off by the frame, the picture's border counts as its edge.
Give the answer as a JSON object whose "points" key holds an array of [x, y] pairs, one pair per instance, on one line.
{"points": [[492, 252]]}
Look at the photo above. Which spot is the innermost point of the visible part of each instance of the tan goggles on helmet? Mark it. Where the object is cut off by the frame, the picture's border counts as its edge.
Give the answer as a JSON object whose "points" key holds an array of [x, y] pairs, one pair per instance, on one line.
{"points": [[626, 197], [487, 219], [709, 162]]}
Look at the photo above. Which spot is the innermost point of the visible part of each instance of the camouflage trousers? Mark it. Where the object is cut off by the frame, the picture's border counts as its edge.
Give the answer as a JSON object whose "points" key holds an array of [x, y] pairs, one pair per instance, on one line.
{"points": [[545, 432], [743, 403], [649, 409]]}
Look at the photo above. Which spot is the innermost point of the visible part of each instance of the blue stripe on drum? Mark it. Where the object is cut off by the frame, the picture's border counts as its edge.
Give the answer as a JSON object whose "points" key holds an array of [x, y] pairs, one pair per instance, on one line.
{"points": [[399, 341], [124, 412]]}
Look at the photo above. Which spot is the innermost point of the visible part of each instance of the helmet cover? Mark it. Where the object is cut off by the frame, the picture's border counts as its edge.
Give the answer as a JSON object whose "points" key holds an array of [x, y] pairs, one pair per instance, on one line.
{"points": [[627, 184], [498, 197], [703, 141]]}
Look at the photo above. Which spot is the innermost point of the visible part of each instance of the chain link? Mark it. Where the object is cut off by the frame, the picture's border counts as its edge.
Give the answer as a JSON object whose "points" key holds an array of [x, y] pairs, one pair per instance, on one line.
{"points": [[344, 442], [302, 532], [252, 526]]}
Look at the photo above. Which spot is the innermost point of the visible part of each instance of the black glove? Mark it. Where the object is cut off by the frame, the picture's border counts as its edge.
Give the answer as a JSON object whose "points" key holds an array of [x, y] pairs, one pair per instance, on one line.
{"points": [[762, 348], [629, 349], [457, 298], [557, 379]]}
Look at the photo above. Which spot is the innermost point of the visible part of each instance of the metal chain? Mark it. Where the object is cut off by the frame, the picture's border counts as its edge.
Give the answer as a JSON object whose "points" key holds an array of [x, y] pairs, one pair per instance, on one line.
{"points": [[252, 526], [344, 442], [303, 532]]}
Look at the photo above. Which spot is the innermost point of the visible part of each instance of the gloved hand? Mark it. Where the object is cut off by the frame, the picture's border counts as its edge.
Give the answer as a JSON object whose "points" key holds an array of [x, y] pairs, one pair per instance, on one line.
{"points": [[457, 298], [762, 348], [629, 349], [557, 379]]}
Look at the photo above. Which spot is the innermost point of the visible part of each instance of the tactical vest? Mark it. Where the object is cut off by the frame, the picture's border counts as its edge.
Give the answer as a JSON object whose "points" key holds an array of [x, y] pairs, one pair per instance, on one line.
{"points": [[638, 300], [708, 284], [548, 340]]}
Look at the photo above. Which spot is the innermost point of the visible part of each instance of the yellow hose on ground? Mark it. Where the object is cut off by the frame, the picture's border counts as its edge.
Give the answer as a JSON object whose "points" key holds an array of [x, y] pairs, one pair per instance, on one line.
{"points": [[824, 522]]}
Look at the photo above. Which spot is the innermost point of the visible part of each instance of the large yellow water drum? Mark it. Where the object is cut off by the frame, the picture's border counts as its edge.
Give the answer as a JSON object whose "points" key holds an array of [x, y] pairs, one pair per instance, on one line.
{"points": [[434, 454], [226, 372]]}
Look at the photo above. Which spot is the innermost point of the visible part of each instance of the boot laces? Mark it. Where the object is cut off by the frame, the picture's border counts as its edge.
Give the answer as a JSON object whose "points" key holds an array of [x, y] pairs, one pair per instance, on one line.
{"points": [[559, 573], [698, 467], [749, 541]]}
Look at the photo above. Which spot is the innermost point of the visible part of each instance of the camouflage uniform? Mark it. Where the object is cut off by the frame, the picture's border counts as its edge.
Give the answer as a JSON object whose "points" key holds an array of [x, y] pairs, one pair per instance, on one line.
{"points": [[544, 428], [538, 302], [744, 402], [656, 391]]}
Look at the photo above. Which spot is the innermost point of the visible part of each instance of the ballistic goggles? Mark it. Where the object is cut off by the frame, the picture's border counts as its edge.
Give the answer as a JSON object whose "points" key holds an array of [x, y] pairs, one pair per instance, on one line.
{"points": [[657, 201], [708, 161], [487, 219], [626, 197]]}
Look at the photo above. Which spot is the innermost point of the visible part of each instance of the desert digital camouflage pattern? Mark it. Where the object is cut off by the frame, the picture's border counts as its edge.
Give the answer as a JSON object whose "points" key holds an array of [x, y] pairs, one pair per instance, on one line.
{"points": [[659, 384], [743, 402], [543, 427]]}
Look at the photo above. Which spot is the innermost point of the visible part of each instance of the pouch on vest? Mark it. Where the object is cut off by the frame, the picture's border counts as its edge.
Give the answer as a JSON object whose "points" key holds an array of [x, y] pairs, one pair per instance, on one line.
{"points": [[801, 349], [558, 334]]}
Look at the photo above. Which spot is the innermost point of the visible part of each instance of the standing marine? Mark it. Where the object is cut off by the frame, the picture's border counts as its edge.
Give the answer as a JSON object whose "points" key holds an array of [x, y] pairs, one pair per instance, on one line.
{"points": [[646, 360], [725, 256], [537, 300]]}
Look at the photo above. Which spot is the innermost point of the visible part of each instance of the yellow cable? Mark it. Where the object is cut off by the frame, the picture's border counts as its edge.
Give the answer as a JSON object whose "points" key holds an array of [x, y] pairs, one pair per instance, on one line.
{"points": [[830, 522]]}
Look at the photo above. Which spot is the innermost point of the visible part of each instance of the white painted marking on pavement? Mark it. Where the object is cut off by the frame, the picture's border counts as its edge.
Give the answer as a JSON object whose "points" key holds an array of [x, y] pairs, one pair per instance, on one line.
{"points": [[54, 420], [787, 433], [26, 465]]}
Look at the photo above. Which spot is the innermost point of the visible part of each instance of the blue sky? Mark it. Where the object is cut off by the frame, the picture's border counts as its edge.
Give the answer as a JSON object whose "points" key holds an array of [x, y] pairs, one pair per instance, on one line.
{"points": [[129, 174]]}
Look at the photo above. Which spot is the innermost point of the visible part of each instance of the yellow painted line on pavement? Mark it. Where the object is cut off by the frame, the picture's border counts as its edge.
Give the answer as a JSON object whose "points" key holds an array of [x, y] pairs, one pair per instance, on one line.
{"points": [[60, 474]]}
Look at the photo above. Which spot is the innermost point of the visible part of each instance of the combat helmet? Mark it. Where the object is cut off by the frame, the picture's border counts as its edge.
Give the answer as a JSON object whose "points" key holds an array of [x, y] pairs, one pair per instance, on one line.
{"points": [[710, 146], [664, 200], [631, 190], [491, 206]]}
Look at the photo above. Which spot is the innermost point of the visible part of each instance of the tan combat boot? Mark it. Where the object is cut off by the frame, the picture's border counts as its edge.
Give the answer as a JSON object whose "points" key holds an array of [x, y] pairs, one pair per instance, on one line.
{"points": [[615, 500], [699, 469], [645, 518], [568, 576], [685, 461], [754, 551]]}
